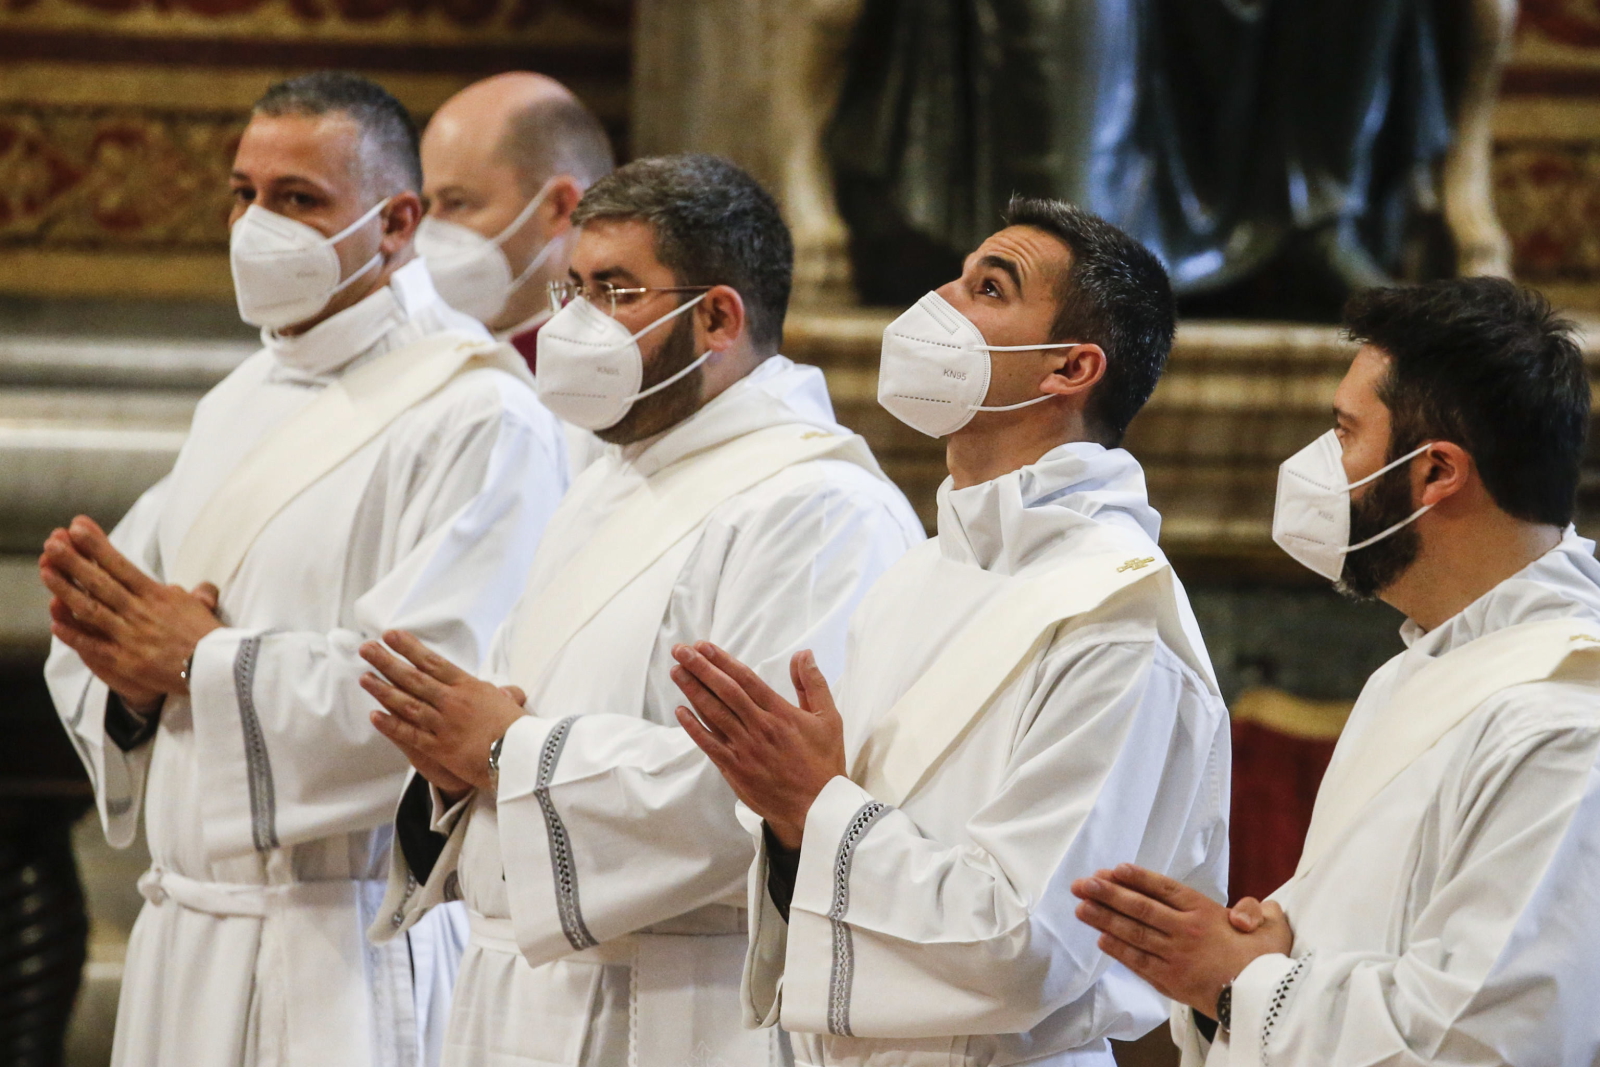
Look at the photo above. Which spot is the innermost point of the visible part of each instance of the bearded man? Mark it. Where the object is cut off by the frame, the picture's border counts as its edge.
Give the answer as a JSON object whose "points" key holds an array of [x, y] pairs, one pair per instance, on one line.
{"points": [[595, 846], [1444, 908]]}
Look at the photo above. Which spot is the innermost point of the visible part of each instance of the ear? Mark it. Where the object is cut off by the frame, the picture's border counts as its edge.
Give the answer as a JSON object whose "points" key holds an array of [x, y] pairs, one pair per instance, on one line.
{"points": [[1441, 472], [560, 200], [400, 221], [1075, 370], [719, 319]]}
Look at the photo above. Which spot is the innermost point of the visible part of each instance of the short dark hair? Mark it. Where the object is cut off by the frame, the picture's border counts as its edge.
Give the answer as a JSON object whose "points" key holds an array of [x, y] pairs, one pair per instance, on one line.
{"points": [[389, 131], [1115, 293], [556, 135], [713, 225], [1491, 367]]}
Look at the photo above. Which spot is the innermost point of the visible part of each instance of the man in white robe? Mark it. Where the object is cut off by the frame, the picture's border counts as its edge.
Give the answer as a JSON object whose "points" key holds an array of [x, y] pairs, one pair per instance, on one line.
{"points": [[370, 467], [1446, 908], [504, 163], [600, 857], [1025, 695]]}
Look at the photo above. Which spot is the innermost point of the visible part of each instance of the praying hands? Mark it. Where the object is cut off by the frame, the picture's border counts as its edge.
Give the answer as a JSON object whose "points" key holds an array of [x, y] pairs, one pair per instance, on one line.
{"points": [[776, 756], [134, 633], [1176, 938], [444, 719]]}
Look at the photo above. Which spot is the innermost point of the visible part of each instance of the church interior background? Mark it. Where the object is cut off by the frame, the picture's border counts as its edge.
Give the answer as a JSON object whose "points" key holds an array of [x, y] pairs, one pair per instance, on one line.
{"points": [[118, 120]]}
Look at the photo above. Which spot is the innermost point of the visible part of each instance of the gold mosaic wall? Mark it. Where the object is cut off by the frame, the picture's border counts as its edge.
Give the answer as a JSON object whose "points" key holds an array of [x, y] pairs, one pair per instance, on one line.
{"points": [[119, 118], [1547, 152]]}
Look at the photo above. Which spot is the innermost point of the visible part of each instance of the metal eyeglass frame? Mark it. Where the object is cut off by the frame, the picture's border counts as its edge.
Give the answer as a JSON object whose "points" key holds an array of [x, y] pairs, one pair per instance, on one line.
{"points": [[563, 293]]}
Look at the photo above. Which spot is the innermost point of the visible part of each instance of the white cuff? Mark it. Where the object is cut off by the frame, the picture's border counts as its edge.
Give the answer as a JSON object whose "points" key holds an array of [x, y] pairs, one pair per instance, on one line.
{"points": [[1260, 995], [826, 823]]}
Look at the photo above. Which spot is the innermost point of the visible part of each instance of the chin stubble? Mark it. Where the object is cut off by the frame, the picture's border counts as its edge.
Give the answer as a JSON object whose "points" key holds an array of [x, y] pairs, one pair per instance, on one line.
{"points": [[1371, 570], [663, 410]]}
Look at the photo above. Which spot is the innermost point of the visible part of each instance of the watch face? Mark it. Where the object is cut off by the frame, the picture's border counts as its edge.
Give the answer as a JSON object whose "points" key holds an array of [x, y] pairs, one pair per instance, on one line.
{"points": [[1225, 1007]]}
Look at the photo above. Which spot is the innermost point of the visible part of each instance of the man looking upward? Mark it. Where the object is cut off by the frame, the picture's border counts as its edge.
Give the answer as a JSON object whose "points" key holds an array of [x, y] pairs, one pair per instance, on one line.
{"points": [[1447, 905], [504, 163], [1025, 694], [379, 463], [599, 853]]}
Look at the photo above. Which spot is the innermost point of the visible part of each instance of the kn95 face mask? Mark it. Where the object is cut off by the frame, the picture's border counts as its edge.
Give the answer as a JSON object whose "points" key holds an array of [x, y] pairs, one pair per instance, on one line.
{"points": [[590, 366], [284, 271], [471, 271], [1311, 517], [934, 371]]}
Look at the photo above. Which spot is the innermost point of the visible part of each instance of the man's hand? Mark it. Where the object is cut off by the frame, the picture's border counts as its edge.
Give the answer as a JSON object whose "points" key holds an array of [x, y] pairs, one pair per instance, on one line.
{"points": [[777, 757], [441, 717], [1179, 940], [133, 632]]}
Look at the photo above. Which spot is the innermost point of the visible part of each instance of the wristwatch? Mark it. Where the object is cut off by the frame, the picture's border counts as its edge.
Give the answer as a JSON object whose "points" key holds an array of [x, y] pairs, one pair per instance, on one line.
{"points": [[494, 762], [1225, 1007]]}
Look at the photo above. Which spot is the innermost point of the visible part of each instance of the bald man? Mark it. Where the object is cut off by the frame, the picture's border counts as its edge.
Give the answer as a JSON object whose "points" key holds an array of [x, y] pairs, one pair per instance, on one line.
{"points": [[504, 162]]}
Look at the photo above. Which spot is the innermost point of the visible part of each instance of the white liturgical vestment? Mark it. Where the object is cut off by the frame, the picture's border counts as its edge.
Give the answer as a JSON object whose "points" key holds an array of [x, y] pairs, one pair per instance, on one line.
{"points": [[931, 921], [605, 879], [1454, 916], [267, 796]]}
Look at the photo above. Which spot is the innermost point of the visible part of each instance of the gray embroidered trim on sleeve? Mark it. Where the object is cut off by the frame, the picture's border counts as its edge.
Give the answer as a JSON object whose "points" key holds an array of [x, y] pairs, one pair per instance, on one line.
{"points": [[842, 974], [1279, 1001], [561, 865], [263, 803]]}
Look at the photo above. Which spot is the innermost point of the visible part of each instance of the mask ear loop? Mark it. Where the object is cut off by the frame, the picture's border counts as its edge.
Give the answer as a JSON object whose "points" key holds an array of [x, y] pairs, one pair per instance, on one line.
{"points": [[1021, 348], [656, 388], [1403, 523], [346, 232], [534, 264], [668, 317]]}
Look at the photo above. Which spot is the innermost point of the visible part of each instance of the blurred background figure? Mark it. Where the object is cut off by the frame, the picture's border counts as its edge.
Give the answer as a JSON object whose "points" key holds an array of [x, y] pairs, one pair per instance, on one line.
{"points": [[1277, 153], [118, 124], [504, 162]]}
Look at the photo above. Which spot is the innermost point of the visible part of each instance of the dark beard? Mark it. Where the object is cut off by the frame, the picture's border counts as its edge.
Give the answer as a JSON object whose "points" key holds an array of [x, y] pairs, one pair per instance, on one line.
{"points": [[1369, 571], [664, 410]]}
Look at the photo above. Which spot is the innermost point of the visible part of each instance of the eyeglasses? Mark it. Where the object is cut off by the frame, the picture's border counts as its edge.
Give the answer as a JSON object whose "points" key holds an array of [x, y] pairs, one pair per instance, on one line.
{"points": [[608, 297]]}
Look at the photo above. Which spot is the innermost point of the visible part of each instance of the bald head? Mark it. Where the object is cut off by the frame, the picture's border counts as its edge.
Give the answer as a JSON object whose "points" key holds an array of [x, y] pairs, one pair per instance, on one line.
{"points": [[495, 146], [529, 122]]}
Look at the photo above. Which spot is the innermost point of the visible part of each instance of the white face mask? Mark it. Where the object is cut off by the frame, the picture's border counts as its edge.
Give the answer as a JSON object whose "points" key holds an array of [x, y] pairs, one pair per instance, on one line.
{"points": [[471, 271], [1311, 520], [285, 272], [590, 366], [934, 371]]}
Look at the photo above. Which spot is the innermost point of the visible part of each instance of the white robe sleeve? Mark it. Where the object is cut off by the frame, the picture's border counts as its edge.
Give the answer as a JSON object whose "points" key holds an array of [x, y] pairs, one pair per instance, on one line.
{"points": [[80, 698], [1501, 966], [611, 822], [896, 934], [287, 753]]}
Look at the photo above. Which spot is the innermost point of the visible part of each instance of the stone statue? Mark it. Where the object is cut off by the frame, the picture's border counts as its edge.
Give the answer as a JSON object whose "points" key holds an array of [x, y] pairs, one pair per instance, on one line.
{"points": [[1231, 135], [755, 81]]}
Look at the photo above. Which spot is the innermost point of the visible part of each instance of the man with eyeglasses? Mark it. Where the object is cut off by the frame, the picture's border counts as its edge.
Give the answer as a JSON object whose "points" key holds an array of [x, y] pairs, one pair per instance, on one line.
{"points": [[596, 847]]}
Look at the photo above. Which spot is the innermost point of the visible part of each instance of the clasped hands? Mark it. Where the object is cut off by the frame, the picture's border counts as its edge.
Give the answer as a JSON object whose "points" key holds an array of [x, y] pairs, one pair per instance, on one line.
{"points": [[1176, 938], [778, 757], [134, 633], [444, 719]]}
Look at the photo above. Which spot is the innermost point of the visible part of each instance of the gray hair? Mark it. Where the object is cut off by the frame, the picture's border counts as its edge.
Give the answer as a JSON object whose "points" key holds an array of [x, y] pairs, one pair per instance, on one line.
{"points": [[557, 136], [389, 134], [713, 225]]}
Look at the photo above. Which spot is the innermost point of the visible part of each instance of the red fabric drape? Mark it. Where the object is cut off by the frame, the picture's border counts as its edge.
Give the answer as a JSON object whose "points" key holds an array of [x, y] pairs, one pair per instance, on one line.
{"points": [[1275, 780]]}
